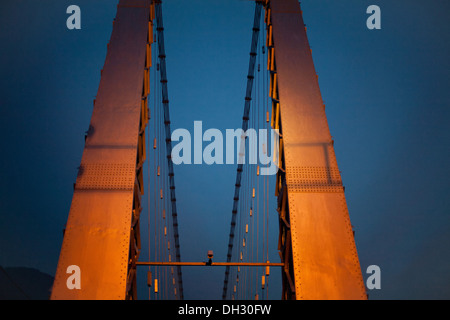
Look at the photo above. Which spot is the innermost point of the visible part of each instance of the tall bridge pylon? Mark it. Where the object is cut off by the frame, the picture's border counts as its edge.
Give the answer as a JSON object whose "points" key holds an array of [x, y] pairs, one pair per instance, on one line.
{"points": [[316, 236], [102, 234]]}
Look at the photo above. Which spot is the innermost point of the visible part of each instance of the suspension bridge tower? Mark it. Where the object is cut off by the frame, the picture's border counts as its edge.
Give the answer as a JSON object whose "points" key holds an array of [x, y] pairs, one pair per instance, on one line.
{"points": [[102, 235]]}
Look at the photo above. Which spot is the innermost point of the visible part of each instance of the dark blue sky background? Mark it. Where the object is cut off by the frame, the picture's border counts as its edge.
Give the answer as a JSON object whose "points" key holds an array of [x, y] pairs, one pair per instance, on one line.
{"points": [[387, 101]]}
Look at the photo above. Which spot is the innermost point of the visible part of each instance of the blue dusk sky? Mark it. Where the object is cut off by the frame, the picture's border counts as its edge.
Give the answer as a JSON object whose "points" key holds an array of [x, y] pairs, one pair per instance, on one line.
{"points": [[387, 102]]}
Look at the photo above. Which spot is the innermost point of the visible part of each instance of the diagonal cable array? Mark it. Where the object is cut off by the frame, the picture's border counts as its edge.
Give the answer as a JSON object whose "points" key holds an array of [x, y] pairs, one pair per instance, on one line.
{"points": [[168, 142], [245, 118]]}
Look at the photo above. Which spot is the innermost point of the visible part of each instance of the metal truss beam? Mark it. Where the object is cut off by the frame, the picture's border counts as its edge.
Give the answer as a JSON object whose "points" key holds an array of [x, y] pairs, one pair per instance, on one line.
{"points": [[210, 264]]}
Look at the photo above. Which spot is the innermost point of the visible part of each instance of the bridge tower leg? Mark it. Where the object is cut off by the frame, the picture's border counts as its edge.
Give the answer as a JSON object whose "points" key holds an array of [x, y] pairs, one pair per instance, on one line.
{"points": [[316, 238], [102, 232]]}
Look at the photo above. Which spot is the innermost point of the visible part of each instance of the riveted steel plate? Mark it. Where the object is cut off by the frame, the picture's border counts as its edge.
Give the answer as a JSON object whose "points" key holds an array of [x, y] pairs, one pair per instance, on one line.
{"points": [[106, 176], [97, 234], [326, 264], [314, 179]]}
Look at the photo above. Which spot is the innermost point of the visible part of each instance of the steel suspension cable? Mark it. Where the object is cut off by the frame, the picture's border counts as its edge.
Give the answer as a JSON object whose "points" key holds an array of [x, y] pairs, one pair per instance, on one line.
{"points": [[165, 101], [245, 118]]}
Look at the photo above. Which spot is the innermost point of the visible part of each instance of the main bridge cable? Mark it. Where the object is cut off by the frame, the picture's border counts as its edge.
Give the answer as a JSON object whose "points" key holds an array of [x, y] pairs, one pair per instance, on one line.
{"points": [[245, 118], [165, 101]]}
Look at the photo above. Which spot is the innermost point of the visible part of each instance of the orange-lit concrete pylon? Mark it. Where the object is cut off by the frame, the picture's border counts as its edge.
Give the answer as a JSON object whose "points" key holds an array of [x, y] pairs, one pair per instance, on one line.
{"points": [[102, 231], [316, 237]]}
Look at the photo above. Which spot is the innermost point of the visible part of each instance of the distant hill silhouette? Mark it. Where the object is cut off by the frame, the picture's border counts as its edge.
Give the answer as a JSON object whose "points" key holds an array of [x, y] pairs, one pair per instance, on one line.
{"points": [[20, 283]]}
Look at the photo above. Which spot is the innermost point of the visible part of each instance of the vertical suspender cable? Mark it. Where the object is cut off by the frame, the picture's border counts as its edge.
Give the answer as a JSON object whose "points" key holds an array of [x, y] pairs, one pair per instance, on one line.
{"points": [[148, 169]]}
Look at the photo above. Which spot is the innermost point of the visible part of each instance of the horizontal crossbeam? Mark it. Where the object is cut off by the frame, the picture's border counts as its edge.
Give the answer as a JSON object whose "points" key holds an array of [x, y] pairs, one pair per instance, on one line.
{"points": [[211, 264]]}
